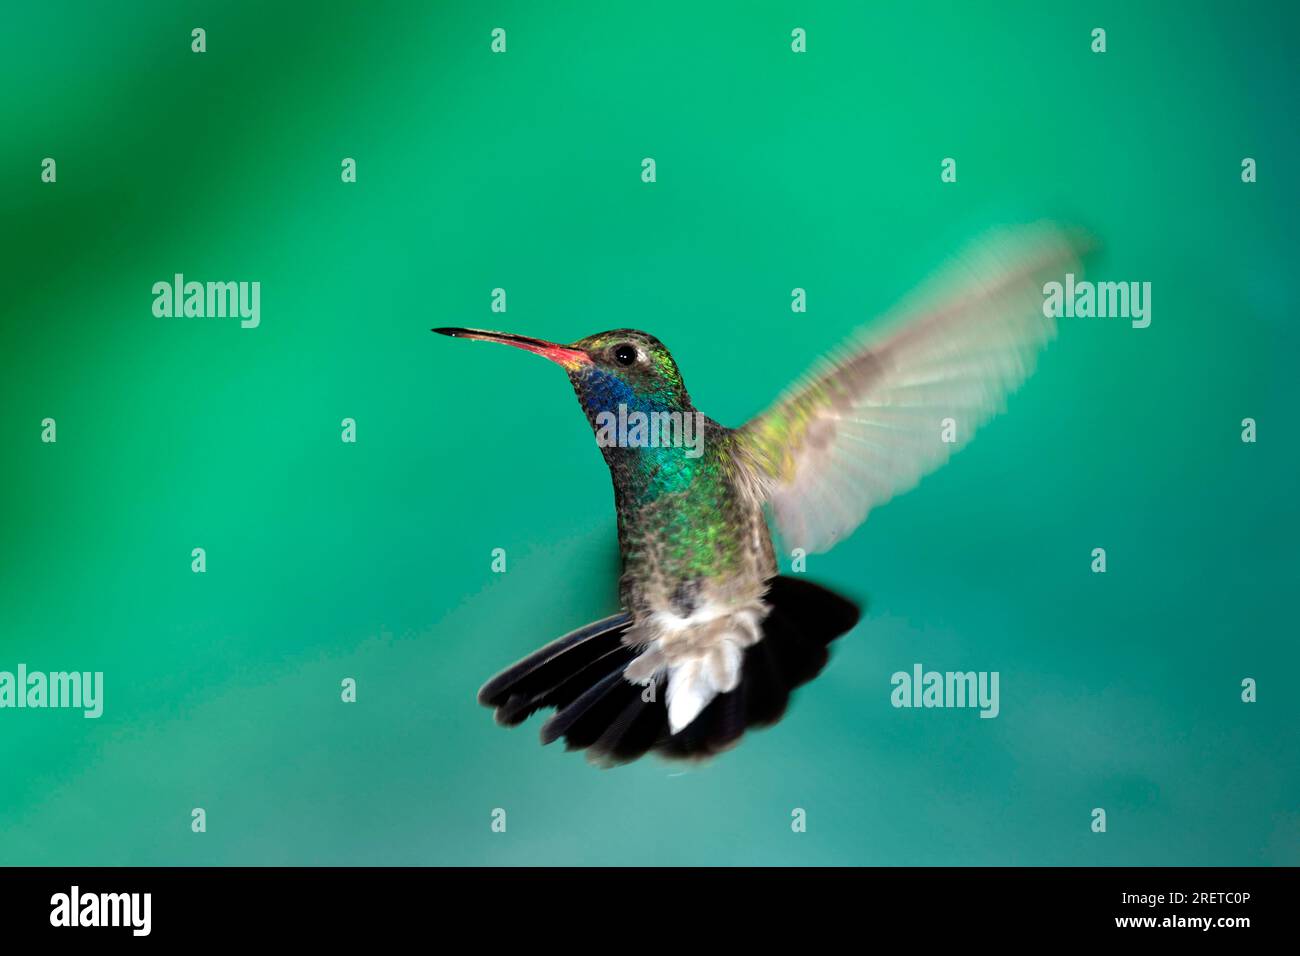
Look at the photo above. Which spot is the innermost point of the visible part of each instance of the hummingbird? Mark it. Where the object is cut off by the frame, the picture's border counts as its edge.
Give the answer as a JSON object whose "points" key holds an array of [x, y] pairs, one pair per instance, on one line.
{"points": [[711, 638]]}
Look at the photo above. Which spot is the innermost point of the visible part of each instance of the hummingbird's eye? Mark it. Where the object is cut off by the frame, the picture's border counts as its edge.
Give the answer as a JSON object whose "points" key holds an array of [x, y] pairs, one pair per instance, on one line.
{"points": [[625, 354]]}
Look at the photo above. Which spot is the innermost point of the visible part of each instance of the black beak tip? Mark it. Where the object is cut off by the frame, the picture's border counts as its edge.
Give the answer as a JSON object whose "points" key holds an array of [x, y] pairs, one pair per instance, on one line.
{"points": [[448, 331]]}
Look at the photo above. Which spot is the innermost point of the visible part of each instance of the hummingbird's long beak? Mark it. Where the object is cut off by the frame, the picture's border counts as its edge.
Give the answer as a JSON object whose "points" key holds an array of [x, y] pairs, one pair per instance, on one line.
{"points": [[560, 354]]}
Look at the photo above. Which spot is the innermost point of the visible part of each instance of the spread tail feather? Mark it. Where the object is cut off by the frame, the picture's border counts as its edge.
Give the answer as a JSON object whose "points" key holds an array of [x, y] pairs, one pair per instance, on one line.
{"points": [[600, 711]]}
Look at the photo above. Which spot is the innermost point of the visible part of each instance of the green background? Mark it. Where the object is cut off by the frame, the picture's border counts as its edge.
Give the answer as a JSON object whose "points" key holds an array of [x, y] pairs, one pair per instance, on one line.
{"points": [[775, 170]]}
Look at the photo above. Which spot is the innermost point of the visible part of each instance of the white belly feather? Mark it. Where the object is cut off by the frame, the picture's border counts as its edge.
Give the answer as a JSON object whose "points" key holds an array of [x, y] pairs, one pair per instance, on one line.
{"points": [[700, 655]]}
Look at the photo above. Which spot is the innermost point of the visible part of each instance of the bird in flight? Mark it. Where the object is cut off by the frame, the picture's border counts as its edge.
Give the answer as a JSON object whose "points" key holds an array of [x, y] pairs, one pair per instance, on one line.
{"points": [[711, 639]]}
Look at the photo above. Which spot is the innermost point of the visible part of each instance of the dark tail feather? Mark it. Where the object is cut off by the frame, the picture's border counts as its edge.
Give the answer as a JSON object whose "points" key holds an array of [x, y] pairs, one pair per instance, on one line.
{"points": [[597, 710], [533, 682]]}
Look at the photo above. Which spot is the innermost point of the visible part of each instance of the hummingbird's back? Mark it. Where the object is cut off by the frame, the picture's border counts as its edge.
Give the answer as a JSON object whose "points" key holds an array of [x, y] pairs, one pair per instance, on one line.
{"points": [[690, 531]]}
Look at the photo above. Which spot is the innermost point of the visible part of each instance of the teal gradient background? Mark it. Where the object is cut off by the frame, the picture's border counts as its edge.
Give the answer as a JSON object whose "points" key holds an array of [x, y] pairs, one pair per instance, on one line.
{"points": [[775, 170]]}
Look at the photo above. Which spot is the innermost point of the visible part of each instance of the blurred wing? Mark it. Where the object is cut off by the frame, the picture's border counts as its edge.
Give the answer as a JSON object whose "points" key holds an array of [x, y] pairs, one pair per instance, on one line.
{"points": [[869, 422]]}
